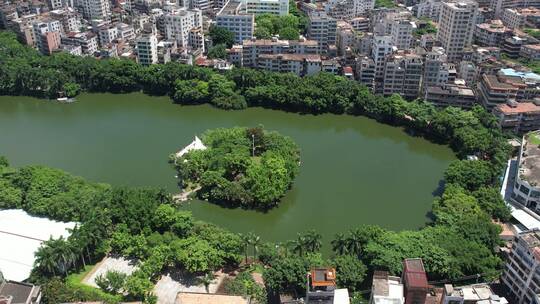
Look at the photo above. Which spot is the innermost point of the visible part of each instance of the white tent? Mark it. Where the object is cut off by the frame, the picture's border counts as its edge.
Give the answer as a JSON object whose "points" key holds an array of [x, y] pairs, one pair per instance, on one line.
{"points": [[196, 144], [20, 237]]}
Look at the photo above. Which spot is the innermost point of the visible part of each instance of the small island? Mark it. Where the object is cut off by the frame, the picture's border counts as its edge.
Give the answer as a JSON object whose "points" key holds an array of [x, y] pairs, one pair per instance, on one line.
{"points": [[249, 168]]}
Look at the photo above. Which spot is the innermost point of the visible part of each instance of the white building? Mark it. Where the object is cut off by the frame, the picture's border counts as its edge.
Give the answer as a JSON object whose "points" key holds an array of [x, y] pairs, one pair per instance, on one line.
{"points": [[179, 23], [86, 40], [95, 9], [382, 46], [428, 9], [401, 31], [323, 29], [147, 52], [521, 273], [435, 68], [456, 27], [386, 289], [527, 185], [233, 18], [23, 235], [251, 49], [47, 35], [348, 9], [403, 75], [274, 7]]}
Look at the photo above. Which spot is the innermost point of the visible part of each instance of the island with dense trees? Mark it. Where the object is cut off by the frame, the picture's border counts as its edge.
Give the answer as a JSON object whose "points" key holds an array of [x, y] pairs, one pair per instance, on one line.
{"points": [[461, 240], [241, 167]]}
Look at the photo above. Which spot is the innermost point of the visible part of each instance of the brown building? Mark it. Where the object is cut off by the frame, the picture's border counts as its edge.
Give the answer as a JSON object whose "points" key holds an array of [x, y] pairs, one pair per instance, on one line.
{"points": [[520, 117], [415, 281]]}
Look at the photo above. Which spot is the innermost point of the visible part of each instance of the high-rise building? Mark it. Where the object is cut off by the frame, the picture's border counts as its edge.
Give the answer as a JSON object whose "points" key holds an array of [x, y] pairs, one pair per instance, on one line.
{"points": [[47, 35], [403, 75], [233, 18], [401, 31], [435, 68], [179, 23], [323, 29], [348, 9], [521, 273], [94, 9], [456, 27], [147, 52], [381, 47]]}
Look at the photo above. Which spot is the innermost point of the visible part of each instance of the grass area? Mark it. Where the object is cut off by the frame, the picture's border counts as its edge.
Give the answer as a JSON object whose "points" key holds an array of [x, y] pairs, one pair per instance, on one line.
{"points": [[384, 3], [74, 280], [534, 138], [534, 65]]}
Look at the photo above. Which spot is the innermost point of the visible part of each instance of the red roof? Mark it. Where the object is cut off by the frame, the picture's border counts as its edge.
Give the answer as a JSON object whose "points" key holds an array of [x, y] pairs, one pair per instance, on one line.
{"points": [[347, 70], [521, 107], [414, 273]]}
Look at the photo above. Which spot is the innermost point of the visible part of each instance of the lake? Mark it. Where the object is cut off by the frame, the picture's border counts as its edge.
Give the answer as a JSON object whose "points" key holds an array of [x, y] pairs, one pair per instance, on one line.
{"points": [[354, 170]]}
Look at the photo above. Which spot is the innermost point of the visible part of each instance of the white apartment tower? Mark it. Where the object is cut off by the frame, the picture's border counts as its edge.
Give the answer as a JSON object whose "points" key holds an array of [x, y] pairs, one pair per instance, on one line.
{"points": [[147, 52], [179, 23], [323, 29], [348, 9], [456, 27], [435, 68], [402, 34], [274, 7], [382, 46], [402, 75], [521, 273], [95, 9]]}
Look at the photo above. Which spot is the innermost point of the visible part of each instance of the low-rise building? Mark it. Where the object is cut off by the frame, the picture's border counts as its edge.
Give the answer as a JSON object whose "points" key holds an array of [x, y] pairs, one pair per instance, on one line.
{"points": [[530, 51], [451, 95], [322, 287], [471, 294], [86, 40], [518, 117], [386, 289], [527, 182], [492, 91], [512, 46], [251, 49], [492, 33], [299, 64], [12, 292]]}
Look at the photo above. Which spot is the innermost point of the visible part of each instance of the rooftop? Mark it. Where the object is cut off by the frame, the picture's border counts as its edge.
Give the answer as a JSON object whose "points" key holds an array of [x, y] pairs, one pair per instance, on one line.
{"points": [[386, 286], [23, 234], [523, 75], [529, 168], [18, 292], [205, 298], [518, 108]]}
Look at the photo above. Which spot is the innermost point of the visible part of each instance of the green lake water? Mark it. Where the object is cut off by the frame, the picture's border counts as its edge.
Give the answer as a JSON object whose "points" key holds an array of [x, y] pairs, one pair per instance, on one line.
{"points": [[354, 170]]}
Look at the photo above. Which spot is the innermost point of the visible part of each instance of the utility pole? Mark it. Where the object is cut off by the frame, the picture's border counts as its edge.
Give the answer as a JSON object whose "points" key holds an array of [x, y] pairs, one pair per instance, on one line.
{"points": [[253, 145]]}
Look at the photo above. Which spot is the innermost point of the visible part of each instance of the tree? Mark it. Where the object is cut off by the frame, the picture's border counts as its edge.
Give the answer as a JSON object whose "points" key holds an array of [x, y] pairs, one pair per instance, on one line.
{"points": [[255, 241], [196, 255], [191, 91], [469, 174], [217, 51], [112, 282], [289, 33], [71, 89], [312, 240], [246, 239], [221, 35], [4, 161], [350, 271], [339, 244]]}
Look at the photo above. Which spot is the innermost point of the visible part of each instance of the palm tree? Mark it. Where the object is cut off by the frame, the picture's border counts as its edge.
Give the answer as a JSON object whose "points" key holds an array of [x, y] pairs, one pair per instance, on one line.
{"points": [[312, 240], [207, 280], [63, 252], [339, 244], [245, 242], [255, 241], [354, 242], [298, 246], [45, 259]]}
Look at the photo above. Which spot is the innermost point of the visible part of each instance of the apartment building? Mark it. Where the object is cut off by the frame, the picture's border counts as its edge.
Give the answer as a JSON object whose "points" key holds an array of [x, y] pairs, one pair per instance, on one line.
{"points": [[494, 91], [492, 33], [513, 18], [456, 27], [196, 39], [274, 7], [512, 46], [521, 273], [251, 49], [323, 29], [233, 17], [86, 40], [348, 9], [470, 294], [382, 46], [299, 64], [403, 75], [70, 19], [46, 35], [430, 9], [436, 68], [518, 117], [386, 289], [455, 95], [94, 9], [147, 52], [365, 69], [401, 32], [178, 24], [530, 51]]}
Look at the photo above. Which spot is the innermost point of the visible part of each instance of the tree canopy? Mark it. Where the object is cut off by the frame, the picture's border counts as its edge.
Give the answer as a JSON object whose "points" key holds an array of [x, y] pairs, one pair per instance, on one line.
{"points": [[247, 167]]}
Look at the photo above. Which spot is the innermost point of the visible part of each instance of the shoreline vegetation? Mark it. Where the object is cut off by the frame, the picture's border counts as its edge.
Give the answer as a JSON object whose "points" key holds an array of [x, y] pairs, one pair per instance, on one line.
{"points": [[249, 168], [142, 223]]}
